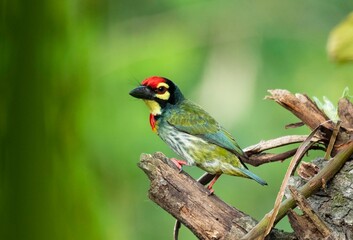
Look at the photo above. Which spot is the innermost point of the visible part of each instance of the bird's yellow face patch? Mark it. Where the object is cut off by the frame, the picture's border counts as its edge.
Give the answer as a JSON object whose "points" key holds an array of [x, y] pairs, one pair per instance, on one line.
{"points": [[155, 108], [162, 91]]}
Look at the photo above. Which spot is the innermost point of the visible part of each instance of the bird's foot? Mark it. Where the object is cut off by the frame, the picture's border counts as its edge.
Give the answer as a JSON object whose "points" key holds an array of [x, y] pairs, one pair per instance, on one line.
{"points": [[211, 191], [209, 187], [179, 163]]}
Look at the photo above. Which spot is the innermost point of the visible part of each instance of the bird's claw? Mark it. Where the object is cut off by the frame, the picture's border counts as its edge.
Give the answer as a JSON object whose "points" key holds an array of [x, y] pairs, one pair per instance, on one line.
{"points": [[210, 191], [179, 164], [209, 187]]}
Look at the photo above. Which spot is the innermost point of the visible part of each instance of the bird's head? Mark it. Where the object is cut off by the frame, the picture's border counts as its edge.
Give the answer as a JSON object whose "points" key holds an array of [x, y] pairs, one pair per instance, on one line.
{"points": [[157, 93]]}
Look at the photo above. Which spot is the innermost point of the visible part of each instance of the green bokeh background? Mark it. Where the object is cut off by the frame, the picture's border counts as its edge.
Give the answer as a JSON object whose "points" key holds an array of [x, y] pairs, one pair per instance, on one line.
{"points": [[71, 136]]}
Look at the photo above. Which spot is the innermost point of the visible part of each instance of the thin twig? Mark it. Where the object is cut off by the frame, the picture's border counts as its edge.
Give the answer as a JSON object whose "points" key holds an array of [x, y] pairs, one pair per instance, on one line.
{"points": [[275, 143], [332, 140], [259, 159], [257, 156], [303, 148], [176, 229]]}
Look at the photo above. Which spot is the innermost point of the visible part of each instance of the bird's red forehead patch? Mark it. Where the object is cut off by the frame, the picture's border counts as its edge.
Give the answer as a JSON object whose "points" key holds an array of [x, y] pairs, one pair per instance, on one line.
{"points": [[152, 81]]}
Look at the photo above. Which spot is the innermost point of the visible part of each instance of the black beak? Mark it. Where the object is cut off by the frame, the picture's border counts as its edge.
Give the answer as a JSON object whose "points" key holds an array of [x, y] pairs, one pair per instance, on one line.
{"points": [[142, 92]]}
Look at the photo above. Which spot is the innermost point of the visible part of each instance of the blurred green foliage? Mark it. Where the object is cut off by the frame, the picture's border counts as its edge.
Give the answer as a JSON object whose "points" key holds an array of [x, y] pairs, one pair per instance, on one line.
{"points": [[70, 135]]}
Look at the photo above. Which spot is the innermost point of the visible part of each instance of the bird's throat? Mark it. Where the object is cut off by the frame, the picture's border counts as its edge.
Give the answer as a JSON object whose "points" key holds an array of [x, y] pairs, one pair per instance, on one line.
{"points": [[155, 108]]}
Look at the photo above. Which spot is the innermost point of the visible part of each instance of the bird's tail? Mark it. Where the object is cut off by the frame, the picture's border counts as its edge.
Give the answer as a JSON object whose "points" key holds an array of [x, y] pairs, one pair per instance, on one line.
{"points": [[253, 176]]}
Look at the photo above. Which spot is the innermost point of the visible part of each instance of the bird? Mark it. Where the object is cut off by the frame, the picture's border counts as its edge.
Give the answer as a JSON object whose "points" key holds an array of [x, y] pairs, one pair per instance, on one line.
{"points": [[191, 132]]}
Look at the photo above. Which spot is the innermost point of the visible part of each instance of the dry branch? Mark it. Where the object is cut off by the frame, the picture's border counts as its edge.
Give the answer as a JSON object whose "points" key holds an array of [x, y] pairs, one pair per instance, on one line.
{"points": [[208, 217], [307, 111], [345, 113], [309, 225], [257, 156], [275, 143], [302, 107]]}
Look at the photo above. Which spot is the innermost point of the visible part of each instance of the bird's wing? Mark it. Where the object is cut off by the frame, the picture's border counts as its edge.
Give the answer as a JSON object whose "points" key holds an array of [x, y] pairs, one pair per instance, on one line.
{"points": [[192, 119]]}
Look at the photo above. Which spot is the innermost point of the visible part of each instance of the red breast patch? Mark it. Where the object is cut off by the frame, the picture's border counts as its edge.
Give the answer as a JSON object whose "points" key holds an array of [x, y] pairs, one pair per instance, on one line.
{"points": [[153, 123]]}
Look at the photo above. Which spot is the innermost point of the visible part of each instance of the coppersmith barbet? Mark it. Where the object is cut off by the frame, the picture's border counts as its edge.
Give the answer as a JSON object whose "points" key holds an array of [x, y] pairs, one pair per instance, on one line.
{"points": [[191, 132]]}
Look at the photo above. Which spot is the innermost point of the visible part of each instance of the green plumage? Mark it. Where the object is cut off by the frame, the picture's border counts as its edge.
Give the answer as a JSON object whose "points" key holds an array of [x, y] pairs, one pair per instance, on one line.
{"points": [[199, 136], [191, 132], [192, 119]]}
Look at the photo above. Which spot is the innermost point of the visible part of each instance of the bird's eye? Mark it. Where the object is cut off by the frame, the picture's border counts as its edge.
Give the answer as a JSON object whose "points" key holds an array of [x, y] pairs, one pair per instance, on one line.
{"points": [[161, 90]]}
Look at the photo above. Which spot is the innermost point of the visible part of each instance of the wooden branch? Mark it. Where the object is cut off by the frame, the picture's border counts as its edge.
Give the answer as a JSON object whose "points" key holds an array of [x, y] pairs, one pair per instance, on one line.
{"points": [[345, 113], [262, 158], [206, 216], [304, 228], [257, 157], [275, 143], [307, 111], [302, 107]]}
